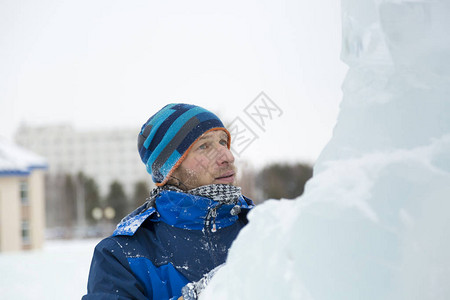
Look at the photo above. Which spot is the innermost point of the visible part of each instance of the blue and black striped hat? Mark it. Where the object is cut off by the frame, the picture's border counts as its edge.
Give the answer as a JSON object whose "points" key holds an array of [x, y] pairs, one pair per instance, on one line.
{"points": [[165, 139]]}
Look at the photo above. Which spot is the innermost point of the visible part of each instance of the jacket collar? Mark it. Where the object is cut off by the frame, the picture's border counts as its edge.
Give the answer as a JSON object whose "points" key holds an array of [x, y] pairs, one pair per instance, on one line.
{"points": [[189, 211], [180, 210]]}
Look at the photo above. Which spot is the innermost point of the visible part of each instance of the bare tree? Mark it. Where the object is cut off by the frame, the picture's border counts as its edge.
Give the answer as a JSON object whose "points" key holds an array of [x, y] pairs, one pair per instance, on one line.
{"points": [[117, 199], [141, 192], [278, 181]]}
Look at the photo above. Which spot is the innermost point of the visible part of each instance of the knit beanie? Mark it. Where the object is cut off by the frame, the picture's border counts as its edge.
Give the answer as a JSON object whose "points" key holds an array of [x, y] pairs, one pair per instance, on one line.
{"points": [[166, 138]]}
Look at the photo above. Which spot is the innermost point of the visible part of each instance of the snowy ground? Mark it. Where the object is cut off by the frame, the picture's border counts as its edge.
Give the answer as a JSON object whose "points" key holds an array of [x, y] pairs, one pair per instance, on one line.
{"points": [[59, 271]]}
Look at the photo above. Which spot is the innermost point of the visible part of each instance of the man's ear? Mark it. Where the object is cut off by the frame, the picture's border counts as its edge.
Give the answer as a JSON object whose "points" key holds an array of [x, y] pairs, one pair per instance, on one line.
{"points": [[175, 181]]}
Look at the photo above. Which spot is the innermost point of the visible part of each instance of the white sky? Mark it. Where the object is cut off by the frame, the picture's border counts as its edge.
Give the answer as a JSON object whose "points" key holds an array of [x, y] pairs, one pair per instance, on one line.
{"points": [[104, 63]]}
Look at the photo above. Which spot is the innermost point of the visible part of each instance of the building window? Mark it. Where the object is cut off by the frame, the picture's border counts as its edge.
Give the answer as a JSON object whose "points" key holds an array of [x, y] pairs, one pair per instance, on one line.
{"points": [[26, 233], [24, 193]]}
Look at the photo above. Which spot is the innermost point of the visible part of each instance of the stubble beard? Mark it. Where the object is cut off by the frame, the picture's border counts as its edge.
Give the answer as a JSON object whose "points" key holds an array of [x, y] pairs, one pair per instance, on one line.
{"points": [[189, 179]]}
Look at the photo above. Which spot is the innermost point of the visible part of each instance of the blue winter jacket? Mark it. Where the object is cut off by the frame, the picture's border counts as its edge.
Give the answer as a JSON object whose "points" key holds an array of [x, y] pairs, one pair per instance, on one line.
{"points": [[158, 249]]}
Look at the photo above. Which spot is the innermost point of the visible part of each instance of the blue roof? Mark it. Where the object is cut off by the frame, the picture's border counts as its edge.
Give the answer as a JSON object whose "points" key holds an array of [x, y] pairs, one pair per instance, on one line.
{"points": [[18, 161]]}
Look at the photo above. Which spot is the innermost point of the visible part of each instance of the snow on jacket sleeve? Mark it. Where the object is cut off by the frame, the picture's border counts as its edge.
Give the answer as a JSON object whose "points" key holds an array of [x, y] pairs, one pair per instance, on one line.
{"points": [[110, 276]]}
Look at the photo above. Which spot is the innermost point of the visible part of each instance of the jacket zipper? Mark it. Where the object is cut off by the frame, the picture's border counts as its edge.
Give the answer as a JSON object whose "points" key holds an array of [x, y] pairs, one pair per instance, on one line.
{"points": [[209, 229]]}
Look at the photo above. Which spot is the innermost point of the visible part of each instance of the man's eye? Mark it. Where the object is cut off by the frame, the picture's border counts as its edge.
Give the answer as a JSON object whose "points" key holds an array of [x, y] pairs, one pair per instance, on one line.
{"points": [[224, 142], [203, 146]]}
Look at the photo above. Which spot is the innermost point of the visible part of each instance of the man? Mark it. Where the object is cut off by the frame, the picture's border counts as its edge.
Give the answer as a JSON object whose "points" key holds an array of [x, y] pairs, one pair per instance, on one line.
{"points": [[184, 230]]}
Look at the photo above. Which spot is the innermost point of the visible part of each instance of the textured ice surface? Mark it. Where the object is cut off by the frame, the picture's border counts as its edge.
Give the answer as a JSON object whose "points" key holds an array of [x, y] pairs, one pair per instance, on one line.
{"points": [[374, 220]]}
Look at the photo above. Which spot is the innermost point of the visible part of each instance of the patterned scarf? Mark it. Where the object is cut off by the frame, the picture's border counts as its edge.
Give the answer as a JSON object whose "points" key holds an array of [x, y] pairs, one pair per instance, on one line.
{"points": [[222, 193]]}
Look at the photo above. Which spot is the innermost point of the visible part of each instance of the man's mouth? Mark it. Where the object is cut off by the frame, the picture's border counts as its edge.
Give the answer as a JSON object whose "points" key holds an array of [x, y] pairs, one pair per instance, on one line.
{"points": [[227, 177]]}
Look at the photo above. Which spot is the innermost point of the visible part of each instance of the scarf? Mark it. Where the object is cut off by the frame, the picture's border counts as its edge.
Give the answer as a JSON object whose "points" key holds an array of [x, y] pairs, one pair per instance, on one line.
{"points": [[223, 193]]}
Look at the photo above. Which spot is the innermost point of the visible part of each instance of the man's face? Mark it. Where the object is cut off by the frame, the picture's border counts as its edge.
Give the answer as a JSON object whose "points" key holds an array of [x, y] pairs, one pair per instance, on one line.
{"points": [[209, 161]]}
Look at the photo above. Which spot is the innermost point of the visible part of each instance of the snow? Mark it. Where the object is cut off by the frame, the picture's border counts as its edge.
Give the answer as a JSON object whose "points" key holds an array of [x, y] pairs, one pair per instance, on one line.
{"points": [[17, 159], [59, 271], [373, 222]]}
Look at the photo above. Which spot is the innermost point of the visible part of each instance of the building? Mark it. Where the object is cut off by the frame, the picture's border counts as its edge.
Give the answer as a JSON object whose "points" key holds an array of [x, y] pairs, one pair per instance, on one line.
{"points": [[103, 155], [22, 202]]}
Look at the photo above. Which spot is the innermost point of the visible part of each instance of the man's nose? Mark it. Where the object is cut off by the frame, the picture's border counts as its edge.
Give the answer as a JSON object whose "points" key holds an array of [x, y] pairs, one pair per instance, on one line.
{"points": [[225, 156]]}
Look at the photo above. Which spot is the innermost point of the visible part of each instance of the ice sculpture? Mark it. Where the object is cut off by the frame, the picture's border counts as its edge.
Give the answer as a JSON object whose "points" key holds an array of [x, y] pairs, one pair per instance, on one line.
{"points": [[374, 222]]}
